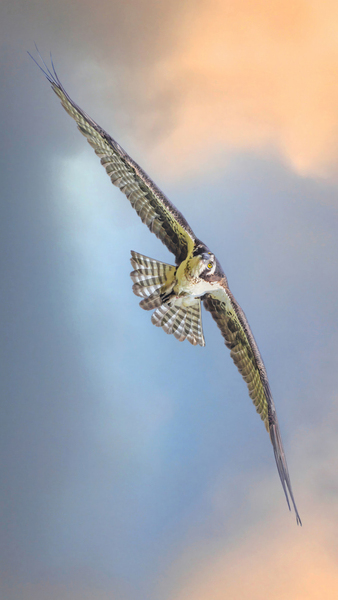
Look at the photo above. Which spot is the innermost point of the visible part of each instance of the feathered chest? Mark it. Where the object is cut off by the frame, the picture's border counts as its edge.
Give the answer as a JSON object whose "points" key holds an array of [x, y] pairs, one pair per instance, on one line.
{"points": [[189, 282]]}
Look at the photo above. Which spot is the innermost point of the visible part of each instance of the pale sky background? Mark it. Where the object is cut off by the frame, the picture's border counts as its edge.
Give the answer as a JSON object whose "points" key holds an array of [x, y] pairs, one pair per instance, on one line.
{"points": [[135, 467]]}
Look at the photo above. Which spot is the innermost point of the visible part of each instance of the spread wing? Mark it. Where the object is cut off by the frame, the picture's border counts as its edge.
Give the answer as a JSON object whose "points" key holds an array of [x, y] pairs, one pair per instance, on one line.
{"points": [[244, 351], [155, 210]]}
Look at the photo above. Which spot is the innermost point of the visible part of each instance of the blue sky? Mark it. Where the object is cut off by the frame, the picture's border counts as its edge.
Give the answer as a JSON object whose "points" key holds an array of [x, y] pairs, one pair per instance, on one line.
{"points": [[135, 466]]}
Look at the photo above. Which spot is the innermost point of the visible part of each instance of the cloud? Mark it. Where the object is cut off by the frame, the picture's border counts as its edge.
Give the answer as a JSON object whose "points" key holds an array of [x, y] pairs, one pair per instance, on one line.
{"points": [[266, 557], [195, 80], [109, 471], [255, 75], [269, 564]]}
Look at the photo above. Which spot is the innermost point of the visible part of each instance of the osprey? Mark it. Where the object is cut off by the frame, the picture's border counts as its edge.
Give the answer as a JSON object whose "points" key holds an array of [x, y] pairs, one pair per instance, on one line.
{"points": [[175, 292]]}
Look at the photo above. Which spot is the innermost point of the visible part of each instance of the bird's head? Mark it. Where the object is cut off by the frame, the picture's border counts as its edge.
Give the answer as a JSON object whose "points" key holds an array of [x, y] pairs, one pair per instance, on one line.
{"points": [[207, 266]]}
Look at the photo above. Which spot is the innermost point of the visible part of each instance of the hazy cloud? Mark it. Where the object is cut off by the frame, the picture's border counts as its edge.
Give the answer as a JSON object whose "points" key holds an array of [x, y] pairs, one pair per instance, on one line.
{"points": [[195, 79], [263, 556], [131, 462], [256, 75]]}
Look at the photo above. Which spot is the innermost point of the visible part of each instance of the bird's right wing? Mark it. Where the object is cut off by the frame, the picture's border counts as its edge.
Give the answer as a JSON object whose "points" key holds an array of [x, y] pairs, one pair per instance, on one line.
{"points": [[155, 210], [238, 337]]}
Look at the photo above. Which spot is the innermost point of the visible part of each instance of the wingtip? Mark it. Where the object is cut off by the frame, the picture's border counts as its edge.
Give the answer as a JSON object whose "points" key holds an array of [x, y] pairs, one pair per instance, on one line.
{"points": [[298, 519], [52, 77], [282, 468]]}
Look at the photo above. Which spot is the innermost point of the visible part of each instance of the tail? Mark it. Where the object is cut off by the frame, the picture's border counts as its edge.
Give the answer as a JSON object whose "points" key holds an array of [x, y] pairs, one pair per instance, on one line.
{"points": [[149, 277], [183, 321], [153, 281]]}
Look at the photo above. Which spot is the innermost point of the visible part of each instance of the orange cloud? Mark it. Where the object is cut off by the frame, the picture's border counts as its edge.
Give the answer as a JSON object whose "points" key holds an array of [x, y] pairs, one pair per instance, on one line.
{"points": [[257, 74], [272, 565], [269, 557]]}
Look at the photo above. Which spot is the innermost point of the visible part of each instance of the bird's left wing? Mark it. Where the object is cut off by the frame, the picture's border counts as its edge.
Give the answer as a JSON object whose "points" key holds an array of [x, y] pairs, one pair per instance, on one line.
{"points": [[153, 207], [238, 337]]}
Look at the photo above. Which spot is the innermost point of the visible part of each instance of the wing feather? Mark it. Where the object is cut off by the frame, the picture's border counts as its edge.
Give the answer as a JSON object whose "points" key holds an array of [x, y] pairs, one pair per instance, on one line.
{"points": [[153, 207], [169, 225], [238, 337]]}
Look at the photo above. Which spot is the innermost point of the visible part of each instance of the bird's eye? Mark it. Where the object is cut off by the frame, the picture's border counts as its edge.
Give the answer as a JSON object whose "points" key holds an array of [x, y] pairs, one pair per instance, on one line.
{"points": [[209, 265]]}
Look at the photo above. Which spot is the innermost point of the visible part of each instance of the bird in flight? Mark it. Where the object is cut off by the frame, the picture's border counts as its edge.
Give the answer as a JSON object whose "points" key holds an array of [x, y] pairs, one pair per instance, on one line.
{"points": [[175, 292]]}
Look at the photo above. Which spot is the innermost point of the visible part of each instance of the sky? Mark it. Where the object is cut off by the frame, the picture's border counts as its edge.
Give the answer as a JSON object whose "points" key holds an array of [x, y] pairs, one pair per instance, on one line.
{"points": [[135, 467]]}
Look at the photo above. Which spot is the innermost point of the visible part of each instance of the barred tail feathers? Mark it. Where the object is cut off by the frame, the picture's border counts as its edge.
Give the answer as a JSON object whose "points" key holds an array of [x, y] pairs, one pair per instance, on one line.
{"points": [[183, 321], [149, 276]]}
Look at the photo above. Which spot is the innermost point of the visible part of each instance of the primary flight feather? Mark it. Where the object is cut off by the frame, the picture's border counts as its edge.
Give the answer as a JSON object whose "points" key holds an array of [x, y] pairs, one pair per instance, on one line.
{"points": [[175, 292]]}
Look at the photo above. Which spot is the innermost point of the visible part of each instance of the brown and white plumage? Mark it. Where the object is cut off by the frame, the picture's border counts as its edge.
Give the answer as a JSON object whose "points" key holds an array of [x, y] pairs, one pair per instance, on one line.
{"points": [[238, 337], [175, 292]]}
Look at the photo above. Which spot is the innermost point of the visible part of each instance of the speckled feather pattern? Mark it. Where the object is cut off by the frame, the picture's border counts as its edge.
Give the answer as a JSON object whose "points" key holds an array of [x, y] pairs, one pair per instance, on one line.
{"points": [[244, 351], [183, 321], [149, 276], [154, 209]]}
